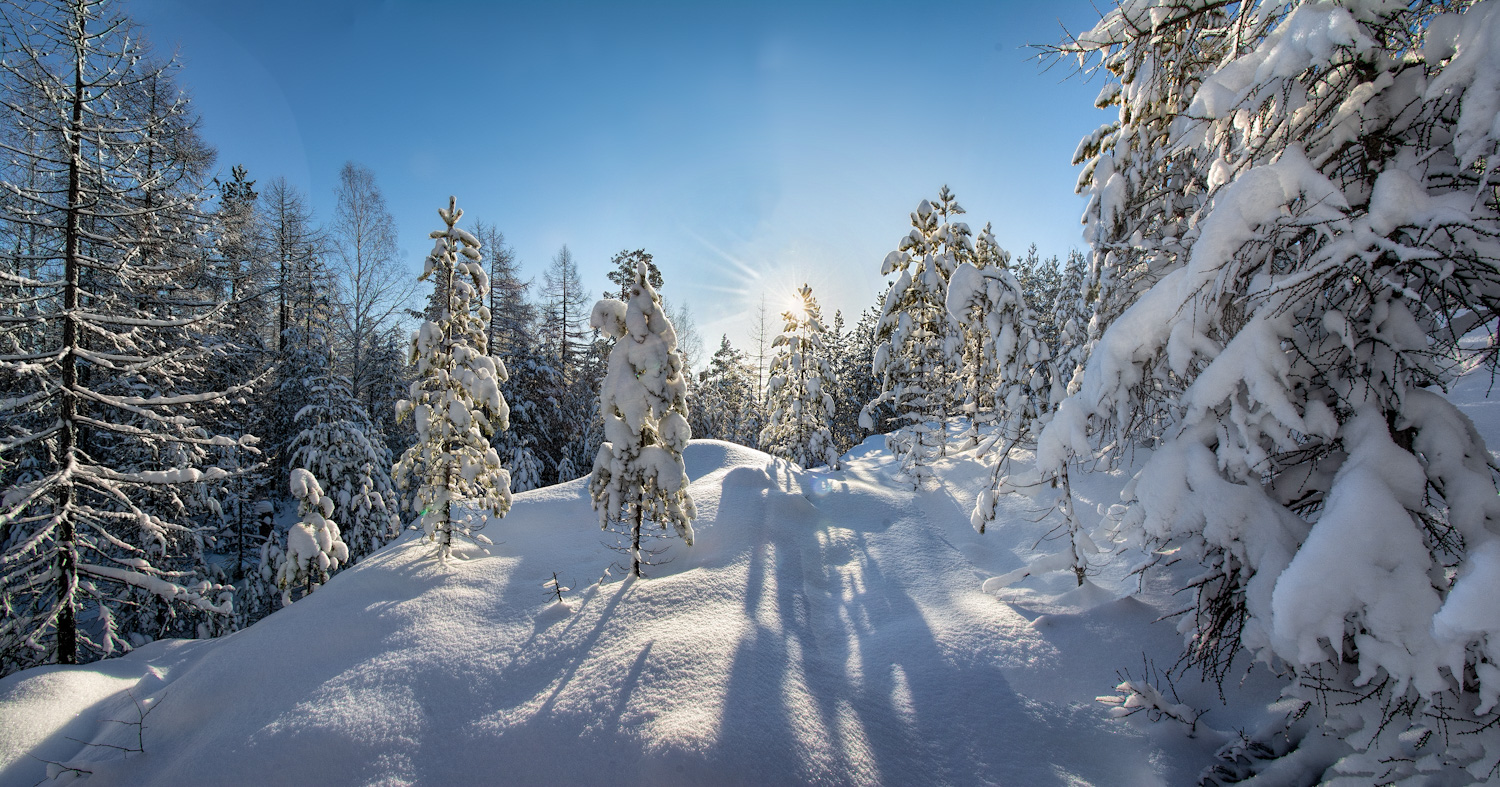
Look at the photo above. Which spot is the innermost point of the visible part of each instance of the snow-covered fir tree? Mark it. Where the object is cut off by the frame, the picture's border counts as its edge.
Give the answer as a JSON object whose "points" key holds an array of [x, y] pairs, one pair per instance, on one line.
{"points": [[103, 320], [455, 403], [1344, 514], [920, 351], [638, 477], [801, 388], [314, 548]]}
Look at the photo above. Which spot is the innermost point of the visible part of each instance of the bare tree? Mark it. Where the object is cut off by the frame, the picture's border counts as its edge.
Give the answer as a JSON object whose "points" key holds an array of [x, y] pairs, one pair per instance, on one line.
{"points": [[689, 343], [295, 242], [564, 319], [371, 289]]}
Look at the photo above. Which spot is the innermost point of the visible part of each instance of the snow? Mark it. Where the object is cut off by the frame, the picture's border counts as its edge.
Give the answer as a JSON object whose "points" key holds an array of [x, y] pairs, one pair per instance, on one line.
{"points": [[825, 627]]}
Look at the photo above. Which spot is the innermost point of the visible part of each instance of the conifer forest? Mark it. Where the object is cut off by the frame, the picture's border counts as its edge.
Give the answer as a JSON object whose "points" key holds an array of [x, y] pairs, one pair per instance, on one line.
{"points": [[1207, 499]]}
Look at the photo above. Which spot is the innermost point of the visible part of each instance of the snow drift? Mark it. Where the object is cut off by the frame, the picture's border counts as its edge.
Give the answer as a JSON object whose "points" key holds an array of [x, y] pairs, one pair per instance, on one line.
{"points": [[824, 628]]}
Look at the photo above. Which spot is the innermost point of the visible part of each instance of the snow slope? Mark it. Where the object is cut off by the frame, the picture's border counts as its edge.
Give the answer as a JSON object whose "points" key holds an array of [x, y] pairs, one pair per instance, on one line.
{"points": [[827, 627]]}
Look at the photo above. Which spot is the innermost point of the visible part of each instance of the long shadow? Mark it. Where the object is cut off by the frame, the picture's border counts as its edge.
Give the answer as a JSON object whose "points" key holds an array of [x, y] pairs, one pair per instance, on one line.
{"points": [[857, 668]]}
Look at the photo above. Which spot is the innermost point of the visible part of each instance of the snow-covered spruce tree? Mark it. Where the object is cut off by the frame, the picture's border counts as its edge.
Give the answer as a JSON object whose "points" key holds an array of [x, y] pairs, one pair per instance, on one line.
{"points": [[314, 548], [455, 401], [1142, 193], [920, 351], [1345, 515], [988, 306], [801, 389], [638, 477], [103, 392], [340, 444], [1001, 354]]}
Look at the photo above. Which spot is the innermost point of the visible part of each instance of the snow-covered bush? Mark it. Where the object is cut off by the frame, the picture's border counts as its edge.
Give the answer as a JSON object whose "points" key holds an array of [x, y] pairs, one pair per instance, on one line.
{"points": [[638, 475], [801, 379], [314, 548], [1344, 514], [455, 401]]}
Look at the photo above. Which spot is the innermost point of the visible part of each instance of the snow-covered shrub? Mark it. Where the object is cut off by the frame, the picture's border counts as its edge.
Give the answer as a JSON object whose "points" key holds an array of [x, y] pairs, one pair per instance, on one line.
{"points": [[455, 401], [638, 475]]}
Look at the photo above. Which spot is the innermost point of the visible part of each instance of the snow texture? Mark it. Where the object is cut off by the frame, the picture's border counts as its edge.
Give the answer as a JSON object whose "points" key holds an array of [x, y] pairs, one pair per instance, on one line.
{"points": [[826, 627]]}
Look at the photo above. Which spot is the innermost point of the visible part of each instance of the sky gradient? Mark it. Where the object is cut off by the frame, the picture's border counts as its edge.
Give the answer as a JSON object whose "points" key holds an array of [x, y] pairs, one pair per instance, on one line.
{"points": [[749, 147]]}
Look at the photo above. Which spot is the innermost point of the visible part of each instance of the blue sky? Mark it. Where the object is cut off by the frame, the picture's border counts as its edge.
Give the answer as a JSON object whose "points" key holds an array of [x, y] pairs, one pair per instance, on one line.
{"points": [[750, 147]]}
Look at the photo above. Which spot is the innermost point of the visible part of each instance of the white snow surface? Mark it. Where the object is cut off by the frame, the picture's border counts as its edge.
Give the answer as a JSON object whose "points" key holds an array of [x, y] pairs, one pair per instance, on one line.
{"points": [[826, 627]]}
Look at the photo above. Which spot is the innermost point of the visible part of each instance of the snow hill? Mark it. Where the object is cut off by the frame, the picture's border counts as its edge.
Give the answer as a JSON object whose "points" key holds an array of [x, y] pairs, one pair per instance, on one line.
{"points": [[827, 627]]}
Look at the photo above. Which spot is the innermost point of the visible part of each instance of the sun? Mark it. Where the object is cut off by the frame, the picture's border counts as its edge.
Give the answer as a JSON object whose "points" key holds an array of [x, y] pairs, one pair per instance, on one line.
{"points": [[793, 304]]}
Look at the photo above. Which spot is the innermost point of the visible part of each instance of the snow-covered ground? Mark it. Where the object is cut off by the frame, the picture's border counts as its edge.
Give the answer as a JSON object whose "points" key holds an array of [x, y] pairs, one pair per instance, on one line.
{"points": [[827, 627]]}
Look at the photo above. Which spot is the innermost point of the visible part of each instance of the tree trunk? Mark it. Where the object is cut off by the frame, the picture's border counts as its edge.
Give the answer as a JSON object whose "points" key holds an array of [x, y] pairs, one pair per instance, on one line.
{"points": [[67, 548], [635, 541]]}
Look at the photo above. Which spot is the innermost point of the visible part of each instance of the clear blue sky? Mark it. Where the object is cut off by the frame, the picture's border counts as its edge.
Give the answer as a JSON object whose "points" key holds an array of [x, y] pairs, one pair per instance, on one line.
{"points": [[749, 146]]}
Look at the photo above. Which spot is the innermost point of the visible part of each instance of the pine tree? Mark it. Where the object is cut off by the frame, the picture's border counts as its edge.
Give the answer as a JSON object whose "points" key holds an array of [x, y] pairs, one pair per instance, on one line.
{"points": [[801, 390], [920, 352], [455, 401], [296, 245], [638, 475], [1143, 194], [1041, 280], [859, 384], [512, 317], [104, 389], [622, 271]]}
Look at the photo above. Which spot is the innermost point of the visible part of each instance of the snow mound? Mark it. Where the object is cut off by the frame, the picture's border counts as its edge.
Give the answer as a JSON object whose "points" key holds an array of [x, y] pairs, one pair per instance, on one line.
{"points": [[827, 627]]}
